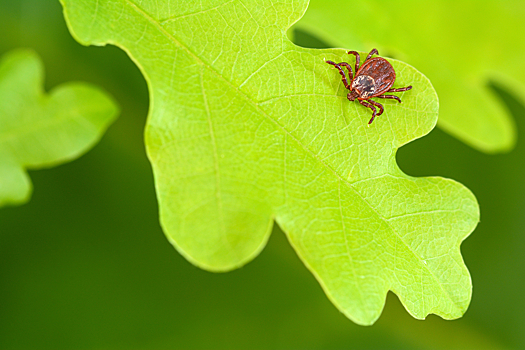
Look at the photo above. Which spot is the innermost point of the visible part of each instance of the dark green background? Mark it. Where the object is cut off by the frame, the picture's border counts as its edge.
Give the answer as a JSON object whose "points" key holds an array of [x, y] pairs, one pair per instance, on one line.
{"points": [[85, 265]]}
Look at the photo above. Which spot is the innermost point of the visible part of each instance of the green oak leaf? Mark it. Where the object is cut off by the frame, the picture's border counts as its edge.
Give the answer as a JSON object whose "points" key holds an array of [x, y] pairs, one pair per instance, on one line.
{"points": [[246, 128], [460, 46], [38, 130]]}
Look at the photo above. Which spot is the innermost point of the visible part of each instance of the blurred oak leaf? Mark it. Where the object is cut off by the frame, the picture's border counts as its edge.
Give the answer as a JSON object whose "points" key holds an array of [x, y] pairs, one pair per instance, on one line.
{"points": [[39, 130]]}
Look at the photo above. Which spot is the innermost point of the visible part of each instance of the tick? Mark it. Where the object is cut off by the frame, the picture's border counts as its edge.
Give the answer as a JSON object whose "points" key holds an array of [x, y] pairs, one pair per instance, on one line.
{"points": [[375, 77]]}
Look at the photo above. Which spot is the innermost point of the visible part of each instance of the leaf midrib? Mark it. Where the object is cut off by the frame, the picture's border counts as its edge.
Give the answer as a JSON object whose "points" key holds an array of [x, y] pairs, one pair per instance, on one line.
{"points": [[262, 112]]}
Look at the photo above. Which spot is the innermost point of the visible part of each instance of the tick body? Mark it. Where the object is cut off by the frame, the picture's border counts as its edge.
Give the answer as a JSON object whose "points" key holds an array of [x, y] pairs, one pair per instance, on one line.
{"points": [[373, 79]]}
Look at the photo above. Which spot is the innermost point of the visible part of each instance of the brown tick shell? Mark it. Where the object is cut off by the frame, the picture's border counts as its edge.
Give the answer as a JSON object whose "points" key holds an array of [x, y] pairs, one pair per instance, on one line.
{"points": [[375, 77]]}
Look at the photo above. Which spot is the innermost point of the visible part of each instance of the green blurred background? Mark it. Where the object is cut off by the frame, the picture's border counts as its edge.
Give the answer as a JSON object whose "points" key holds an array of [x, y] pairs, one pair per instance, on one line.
{"points": [[85, 265]]}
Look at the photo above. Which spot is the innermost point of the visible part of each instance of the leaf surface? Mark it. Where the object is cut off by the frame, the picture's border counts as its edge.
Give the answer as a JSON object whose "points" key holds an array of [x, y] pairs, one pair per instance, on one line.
{"points": [[39, 130], [246, 128], [461, 47]]}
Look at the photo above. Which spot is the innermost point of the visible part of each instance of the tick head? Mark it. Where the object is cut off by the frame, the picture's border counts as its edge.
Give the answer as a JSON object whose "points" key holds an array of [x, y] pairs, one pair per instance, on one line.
{"points": [[352, 95]]}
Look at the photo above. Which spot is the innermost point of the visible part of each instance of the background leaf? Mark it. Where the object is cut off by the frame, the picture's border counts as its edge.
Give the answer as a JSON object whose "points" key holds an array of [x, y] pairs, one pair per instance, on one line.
{"points": [[461, 47], [239, 135], [39, 131]]}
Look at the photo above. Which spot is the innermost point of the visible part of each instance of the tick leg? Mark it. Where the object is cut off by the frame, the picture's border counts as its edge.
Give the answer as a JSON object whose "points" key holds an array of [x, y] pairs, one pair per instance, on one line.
{"points": [[357, 59], [368, 105], [390, 96], [373, 52], [381, 109], [400, 89], [342, 72], [349, 67]]}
